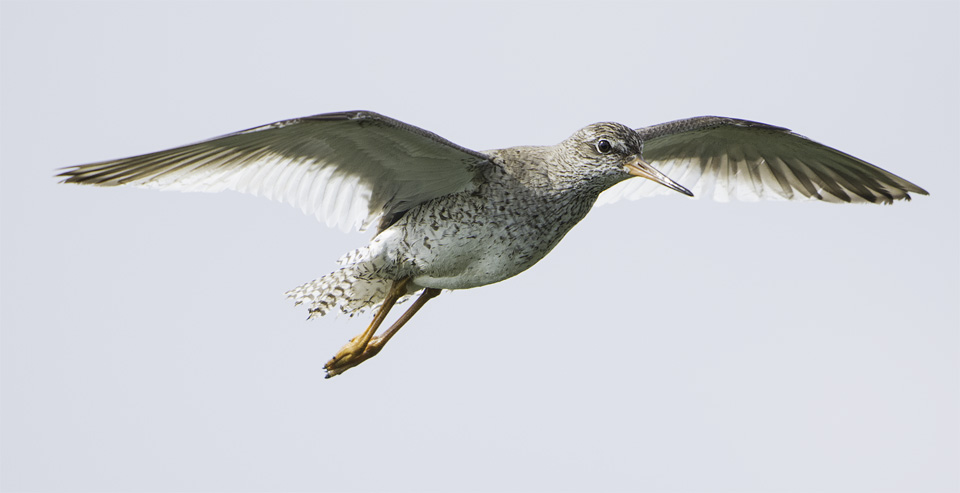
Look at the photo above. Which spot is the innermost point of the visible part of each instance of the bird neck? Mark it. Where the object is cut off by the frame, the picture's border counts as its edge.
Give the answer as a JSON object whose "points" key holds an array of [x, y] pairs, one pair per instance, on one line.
{"points": [[540, 168]]}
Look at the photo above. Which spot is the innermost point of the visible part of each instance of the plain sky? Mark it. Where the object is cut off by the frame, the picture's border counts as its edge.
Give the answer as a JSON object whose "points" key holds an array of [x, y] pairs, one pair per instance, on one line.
{"points": [[666, 345]]}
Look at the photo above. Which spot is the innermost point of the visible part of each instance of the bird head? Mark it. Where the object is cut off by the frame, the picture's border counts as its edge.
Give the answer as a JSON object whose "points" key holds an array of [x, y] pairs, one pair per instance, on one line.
{"points": [[608, 153]]}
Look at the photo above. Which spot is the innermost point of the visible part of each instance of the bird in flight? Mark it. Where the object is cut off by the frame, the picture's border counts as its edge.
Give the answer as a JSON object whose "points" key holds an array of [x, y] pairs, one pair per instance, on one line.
{"points": [[448, 217]]}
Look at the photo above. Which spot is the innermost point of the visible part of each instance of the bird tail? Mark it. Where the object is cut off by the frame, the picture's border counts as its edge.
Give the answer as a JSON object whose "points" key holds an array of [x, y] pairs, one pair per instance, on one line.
{"points": [[349, 289]]}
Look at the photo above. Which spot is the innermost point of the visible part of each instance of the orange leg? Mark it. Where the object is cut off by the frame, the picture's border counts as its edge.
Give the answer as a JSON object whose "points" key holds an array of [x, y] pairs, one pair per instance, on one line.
{"points": [[366, 346], [377, 343], [353, 350]]}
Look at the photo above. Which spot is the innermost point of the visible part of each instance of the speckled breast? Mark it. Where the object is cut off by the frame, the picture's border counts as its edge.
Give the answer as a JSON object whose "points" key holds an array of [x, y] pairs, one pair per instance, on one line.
{"points": [[484, 236]]}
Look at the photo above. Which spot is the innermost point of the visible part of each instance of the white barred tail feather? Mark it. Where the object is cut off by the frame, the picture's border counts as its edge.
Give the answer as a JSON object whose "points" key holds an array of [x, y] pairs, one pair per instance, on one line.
{"points": [[346, 289]]}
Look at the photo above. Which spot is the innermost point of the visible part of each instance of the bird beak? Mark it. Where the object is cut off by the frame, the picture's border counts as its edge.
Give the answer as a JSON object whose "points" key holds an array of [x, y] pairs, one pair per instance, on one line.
{"points": [[639, 167]]}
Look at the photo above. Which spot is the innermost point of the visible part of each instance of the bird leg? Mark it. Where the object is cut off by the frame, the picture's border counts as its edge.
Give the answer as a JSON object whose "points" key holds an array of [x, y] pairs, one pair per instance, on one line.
{"points": [[354, 349], [377, 343], [366, 346]]}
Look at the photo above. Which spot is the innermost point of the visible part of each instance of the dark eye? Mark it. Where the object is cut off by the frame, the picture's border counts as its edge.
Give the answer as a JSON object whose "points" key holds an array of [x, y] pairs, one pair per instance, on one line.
{"points": [[604, 146]]}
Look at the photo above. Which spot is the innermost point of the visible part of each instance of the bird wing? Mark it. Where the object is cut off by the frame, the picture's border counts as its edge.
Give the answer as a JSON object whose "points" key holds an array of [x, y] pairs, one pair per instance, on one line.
{"points": [[347, 169], [723, 158]]}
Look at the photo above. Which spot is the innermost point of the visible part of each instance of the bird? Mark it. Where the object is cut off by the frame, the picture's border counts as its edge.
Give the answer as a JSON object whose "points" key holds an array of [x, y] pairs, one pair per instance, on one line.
{"points": [[448, 218]]}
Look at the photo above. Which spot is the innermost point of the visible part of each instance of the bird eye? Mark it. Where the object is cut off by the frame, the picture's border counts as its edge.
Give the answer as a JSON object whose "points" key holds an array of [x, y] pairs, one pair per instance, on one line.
{"points": [[604, 146]]}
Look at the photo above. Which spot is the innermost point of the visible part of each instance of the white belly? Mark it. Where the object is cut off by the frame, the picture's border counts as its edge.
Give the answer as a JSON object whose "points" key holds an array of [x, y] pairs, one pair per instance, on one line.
{"points": [[470, 239], [462, 258]]}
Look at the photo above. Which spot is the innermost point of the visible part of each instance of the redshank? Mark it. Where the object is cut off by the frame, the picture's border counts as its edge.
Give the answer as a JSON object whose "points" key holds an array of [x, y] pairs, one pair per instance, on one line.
{"points": [[448, 217]]}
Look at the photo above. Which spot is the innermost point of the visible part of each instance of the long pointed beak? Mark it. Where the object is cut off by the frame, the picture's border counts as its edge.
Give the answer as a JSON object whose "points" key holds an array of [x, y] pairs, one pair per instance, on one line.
{"points": [[639, 167]]}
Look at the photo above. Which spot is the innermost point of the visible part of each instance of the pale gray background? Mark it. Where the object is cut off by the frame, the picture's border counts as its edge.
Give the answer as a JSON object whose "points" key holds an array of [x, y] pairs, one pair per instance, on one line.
{"points": [[665, 345]]}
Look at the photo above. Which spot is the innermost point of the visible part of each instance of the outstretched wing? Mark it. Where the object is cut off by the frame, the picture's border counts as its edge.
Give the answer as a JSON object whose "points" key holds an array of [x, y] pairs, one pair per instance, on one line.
{"points": [[723, 158], [347, 169]]}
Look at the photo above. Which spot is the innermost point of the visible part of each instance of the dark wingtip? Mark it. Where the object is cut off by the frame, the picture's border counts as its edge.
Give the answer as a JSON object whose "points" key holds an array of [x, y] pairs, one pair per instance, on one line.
{"points": [[68, 174]]}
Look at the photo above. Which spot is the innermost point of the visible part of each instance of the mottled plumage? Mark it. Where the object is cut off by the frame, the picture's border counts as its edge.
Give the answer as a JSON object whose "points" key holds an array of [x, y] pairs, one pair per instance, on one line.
{"points": [[451, 218]]}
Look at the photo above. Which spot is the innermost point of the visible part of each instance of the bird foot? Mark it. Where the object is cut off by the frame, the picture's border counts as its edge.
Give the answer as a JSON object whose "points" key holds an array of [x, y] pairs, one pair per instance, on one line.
{"points": [[366, 346], [352, 354]]}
